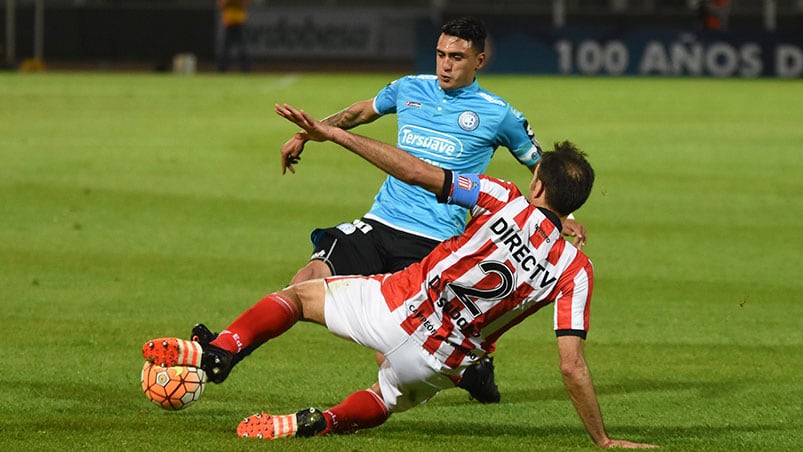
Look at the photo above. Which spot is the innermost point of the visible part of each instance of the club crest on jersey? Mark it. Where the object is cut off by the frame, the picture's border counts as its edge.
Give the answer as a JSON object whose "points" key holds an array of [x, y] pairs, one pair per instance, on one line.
{"points": [[468, 121]]}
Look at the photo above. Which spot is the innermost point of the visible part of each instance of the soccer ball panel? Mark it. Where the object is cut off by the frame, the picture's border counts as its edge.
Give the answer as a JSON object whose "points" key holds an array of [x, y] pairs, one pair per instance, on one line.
{"points": [[172, 388]]}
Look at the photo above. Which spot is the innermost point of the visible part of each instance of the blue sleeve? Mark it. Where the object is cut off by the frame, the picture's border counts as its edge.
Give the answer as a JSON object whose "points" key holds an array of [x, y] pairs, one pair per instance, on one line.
{"points": [[460, 189], [517, 135], [385, 99]]}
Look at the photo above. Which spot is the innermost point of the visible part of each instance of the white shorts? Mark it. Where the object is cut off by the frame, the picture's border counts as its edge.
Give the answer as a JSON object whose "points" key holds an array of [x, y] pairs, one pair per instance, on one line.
{"points": [[355, 309]]}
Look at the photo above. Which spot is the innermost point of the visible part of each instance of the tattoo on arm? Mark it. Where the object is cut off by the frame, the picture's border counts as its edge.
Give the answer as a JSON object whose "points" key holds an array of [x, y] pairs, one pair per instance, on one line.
{"points": [[352, 116], [344, 119]]}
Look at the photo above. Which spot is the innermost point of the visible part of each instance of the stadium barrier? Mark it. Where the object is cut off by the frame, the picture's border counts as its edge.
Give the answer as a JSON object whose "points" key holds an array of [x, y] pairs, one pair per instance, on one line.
{"points": [[376, 37], [633, 51]]}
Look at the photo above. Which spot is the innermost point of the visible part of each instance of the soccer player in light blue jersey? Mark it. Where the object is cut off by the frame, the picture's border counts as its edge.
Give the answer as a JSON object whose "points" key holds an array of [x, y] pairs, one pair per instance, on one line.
{"points": [[445, 119]]}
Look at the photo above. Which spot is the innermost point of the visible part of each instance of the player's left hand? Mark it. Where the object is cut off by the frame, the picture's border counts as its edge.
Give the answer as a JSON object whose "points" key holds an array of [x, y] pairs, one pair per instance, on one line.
{"points": [[291, 151], [577, 231], [624, 444]]}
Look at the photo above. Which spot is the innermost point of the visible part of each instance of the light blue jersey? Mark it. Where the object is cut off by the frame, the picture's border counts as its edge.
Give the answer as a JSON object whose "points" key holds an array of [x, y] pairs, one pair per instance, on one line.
{"points": [[458, 130]]}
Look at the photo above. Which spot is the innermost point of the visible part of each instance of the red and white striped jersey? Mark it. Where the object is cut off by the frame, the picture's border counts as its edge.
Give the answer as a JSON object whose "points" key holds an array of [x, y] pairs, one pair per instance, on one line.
{"points": [[510, 262]]}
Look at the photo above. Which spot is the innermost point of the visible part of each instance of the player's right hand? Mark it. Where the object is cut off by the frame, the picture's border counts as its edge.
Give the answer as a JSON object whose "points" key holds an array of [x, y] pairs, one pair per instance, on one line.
{"points": [[576, 231], [291, 151]]}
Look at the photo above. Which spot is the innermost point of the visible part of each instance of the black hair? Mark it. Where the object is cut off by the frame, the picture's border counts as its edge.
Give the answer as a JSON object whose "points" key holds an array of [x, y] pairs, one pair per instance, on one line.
{"points": [[469, 28], [567, 177]]}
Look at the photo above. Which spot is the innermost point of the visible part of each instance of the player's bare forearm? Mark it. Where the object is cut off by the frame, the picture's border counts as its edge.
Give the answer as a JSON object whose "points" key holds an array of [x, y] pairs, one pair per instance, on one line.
{"points": [[577, 379], [392, 160]]}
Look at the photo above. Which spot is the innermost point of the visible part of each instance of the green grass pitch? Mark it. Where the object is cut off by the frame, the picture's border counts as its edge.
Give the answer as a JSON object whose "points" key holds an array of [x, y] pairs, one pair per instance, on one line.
{"points": [[133, 206]]}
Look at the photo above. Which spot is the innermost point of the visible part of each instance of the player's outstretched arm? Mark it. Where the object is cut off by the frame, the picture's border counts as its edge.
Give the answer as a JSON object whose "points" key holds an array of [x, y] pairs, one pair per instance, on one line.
{"points": [[577, 378], [358, 113], [390, 159]]}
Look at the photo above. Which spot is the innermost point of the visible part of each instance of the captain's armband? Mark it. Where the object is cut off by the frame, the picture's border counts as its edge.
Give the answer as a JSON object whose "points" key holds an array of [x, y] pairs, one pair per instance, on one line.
{"points": [[460, 189]]}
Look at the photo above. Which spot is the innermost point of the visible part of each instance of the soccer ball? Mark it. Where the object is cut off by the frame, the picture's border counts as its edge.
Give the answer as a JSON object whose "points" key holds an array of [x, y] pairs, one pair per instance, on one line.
{"points": [[172, 388]]}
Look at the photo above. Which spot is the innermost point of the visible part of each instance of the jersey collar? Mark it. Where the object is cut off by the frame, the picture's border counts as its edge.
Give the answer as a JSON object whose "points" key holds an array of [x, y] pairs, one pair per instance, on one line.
{"points": [[472, 88], [550, 215]]}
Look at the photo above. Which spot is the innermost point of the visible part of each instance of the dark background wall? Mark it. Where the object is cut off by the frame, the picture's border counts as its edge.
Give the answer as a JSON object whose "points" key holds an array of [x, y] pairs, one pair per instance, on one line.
{"points": [[117, 33], [149, 33]]}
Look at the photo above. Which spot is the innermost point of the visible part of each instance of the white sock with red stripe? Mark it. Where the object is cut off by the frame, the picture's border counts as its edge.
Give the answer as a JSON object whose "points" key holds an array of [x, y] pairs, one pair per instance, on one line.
{"points": [[284, 426], [189, 353]]}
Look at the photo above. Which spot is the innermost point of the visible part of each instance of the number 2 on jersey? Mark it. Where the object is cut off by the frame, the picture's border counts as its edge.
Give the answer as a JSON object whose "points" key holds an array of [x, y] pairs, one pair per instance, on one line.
{"points": [[469, 295]]}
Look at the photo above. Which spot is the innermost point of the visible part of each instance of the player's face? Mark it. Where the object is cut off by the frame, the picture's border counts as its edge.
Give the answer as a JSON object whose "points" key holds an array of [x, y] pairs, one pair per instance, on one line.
{"points": [[456, 62]]}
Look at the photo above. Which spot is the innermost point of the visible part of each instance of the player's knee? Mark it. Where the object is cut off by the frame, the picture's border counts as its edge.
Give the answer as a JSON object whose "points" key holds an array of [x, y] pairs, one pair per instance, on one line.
{"points": [[315, 269], [309, 298]]}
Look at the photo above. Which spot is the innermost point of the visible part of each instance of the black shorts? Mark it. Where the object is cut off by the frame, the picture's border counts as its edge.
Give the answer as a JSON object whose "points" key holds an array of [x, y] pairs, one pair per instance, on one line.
{"points": [[367, 247]]}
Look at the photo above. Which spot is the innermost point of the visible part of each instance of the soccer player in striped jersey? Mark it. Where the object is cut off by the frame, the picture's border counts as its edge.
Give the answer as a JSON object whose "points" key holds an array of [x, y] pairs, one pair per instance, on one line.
{"points": [[437, 317], [449, 120]]}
